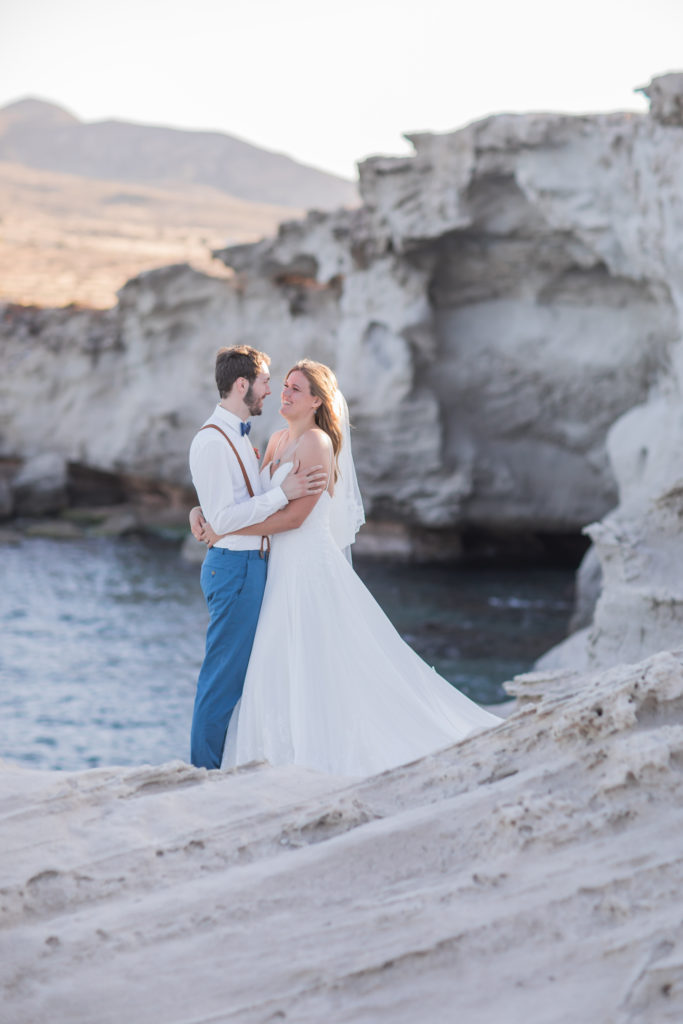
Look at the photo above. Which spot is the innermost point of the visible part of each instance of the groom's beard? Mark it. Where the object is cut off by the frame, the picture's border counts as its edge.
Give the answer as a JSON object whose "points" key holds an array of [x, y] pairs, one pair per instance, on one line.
{"points": [[253, 404]]}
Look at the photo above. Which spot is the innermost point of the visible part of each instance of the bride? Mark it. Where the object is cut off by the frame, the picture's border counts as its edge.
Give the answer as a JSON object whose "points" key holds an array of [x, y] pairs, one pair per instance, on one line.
{"points": [[330, 685]]}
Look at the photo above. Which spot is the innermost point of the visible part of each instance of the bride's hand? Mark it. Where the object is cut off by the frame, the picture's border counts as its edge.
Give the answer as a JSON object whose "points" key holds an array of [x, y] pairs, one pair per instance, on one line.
{"points": [[208, 535], [201, 530]]}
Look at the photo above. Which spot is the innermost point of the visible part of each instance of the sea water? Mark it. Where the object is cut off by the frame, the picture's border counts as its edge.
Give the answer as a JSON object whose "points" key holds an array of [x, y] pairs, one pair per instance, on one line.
{"points": [[101, 642]]}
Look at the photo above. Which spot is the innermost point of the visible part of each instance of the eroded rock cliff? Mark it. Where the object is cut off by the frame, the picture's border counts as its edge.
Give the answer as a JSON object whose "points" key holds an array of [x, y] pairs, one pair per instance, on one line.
{"points": [[638, 545], [500, 299], [490, 310]]}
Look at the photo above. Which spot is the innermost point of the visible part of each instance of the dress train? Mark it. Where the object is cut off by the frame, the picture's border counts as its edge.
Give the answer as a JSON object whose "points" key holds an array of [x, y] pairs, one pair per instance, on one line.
{"points": [[331, 684]]}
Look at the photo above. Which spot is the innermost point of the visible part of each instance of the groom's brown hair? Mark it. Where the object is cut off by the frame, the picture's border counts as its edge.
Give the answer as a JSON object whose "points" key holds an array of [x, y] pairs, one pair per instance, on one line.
{"points": [[235, 362]]}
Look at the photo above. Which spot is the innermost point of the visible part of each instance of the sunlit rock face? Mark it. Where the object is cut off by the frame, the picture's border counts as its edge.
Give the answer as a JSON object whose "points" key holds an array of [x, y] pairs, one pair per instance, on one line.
{"points": [[499, 301]]}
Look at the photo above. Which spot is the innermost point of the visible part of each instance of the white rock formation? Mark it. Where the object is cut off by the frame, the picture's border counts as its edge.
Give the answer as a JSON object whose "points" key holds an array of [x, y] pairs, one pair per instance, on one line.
{"points": [[531, 873], [665, 94], [640, 608], [499, 301]]}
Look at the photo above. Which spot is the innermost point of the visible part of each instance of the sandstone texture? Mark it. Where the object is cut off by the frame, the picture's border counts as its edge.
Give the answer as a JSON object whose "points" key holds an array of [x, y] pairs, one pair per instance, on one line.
{"points": [[496, 304], [529, 874]]}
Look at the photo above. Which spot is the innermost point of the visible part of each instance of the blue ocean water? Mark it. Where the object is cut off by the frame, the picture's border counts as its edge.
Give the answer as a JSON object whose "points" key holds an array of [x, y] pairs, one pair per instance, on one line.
{"points": [[101, 642]]}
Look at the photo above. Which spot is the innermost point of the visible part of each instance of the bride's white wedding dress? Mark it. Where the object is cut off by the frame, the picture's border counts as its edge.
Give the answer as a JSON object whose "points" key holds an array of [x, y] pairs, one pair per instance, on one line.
{"points": [[331, 685]]}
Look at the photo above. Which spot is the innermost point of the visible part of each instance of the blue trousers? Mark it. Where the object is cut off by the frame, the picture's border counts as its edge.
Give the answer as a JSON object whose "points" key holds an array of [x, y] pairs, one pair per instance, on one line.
{"points": [[233, 584]]}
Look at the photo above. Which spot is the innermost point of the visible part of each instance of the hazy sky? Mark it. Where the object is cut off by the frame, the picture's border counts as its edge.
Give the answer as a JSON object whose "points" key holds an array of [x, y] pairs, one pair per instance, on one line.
{"points": [[330, 83]]}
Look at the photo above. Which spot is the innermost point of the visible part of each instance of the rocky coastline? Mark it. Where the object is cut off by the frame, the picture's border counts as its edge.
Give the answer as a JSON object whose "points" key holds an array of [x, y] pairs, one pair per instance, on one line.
{"points": [[506, 307], [503, 314]]}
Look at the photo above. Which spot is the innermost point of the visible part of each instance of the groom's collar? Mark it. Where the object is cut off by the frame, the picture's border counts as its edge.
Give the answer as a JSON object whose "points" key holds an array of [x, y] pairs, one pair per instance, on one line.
{"points": [[225, 416]]}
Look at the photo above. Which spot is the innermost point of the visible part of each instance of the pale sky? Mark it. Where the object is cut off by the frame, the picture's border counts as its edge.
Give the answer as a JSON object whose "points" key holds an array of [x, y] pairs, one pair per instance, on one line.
{"points": [[332, 83]]}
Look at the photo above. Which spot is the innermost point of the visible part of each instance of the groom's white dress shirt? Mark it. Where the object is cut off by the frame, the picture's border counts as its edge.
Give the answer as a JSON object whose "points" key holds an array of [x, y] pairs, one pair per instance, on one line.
{"points": [[220, 485]]}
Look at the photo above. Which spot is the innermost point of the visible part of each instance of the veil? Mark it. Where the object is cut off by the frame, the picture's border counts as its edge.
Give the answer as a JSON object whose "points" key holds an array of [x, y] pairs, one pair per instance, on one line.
{"points": [[346, 509]]}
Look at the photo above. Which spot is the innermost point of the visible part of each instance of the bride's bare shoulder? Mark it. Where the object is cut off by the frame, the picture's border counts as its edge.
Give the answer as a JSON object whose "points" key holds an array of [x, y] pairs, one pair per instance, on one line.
{"points": [[314, 447], [314, 440]]}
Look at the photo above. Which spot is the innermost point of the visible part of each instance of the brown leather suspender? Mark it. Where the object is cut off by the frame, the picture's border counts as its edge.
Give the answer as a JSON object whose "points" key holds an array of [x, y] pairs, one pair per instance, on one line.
{"points": [[212, 426], [265, 540]]}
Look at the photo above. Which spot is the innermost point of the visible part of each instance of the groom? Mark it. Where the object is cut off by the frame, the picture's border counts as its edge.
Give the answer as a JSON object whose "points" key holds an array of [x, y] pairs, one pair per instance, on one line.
{"points": [[225, 474]]}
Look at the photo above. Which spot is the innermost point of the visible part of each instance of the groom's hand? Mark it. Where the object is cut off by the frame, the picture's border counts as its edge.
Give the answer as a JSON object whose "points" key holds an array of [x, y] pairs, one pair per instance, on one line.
{"points": [[302, 485]]}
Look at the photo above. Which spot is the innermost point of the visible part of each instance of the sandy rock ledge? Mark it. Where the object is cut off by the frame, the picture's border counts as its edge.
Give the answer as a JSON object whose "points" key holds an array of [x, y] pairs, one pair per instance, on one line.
{"points": [[528, 874]]}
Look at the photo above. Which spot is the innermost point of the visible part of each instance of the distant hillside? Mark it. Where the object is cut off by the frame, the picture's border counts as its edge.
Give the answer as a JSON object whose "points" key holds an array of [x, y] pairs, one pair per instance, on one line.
{"points": [[65, 238], [46, 137]]}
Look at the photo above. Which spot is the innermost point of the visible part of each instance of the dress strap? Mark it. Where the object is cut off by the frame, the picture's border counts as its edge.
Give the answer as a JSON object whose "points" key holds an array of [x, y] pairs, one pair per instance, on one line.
{"points": [[274, 462], [279, 442], [277, 446]]}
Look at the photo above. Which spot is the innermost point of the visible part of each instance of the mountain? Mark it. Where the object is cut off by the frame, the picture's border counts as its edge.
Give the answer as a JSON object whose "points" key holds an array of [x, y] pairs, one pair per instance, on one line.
{"points": [[46, 137], [84, 207]]}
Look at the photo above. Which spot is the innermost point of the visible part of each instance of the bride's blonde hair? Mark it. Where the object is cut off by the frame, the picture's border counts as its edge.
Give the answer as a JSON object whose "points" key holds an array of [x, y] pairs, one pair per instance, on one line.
{"points": [[323, 385]]}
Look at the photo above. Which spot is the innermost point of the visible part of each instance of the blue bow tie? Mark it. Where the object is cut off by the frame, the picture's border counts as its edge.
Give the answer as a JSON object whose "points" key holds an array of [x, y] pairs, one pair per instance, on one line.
{"points": [[245, 428]]}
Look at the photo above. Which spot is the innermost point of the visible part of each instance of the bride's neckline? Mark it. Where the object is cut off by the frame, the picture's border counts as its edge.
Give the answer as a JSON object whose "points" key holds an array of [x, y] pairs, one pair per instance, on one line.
{"points": [[275, 463]]}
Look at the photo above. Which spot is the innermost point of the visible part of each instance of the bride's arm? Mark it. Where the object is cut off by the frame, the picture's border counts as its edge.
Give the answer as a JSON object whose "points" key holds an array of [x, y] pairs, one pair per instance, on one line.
{"points": [[200, 528], [314, 449]]}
